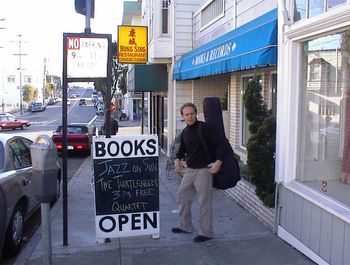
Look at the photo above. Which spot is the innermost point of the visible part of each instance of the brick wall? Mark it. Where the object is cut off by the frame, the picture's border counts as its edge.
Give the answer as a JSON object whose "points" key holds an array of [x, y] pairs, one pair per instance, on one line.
{"points": [[244, 194], [215, 86]]}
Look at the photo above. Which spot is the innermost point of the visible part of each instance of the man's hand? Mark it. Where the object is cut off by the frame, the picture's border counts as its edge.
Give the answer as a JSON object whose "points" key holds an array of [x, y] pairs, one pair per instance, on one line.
{"points": [[178, 165], [215, 167]]}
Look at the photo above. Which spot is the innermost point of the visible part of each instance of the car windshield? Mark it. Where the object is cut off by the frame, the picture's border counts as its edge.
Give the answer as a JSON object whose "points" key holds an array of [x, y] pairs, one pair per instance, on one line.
{"points": [[73, 129]]}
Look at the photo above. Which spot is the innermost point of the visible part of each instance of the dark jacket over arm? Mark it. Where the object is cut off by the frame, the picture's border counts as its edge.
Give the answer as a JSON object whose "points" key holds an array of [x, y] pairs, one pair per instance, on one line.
{"points": [[192, 147]]}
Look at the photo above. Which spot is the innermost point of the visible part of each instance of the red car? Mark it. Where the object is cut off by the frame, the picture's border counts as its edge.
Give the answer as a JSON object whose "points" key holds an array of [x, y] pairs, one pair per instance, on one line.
{"points": [[77, 136], [8, 121]]}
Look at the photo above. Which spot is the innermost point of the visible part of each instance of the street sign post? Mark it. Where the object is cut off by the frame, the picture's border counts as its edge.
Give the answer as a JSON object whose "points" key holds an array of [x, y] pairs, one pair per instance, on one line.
{"points": [[86, 58]]}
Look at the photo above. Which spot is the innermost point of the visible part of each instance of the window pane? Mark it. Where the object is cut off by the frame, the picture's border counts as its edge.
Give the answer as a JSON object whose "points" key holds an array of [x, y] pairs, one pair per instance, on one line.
{"points": [[324, 143], [245, 123], [316, 7], [164, 21], [300, 10], [333, 3]]}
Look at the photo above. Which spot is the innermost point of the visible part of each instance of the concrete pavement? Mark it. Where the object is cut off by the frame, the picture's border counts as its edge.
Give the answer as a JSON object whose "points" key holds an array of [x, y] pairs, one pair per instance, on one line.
{"points": [[239, 238]]}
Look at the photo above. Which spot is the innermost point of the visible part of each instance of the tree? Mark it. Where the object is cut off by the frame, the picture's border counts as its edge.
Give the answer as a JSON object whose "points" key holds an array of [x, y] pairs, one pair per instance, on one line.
{"points": [[119, 72], [30, 93], [49, 88], [261, 144]]}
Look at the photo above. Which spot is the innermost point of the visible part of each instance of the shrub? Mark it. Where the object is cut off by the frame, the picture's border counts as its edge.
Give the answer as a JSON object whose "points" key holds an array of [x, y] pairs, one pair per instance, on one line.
{"points": [[261, 144]]}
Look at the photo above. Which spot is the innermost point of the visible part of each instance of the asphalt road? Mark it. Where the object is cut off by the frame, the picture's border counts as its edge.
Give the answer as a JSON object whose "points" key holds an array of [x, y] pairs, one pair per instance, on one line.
{"points": [[45, 123]]}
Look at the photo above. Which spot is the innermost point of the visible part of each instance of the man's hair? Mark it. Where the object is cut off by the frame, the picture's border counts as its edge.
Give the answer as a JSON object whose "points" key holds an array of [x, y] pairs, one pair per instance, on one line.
{"points": [[188, 104]]}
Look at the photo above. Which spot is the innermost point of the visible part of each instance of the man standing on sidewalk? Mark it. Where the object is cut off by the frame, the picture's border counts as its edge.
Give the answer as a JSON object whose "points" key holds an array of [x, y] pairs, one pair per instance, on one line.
{"points": [[198, 174]]}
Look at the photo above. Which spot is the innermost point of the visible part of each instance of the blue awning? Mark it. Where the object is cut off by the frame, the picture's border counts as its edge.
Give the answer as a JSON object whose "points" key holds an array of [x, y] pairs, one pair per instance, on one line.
{"points": [[249, 46]]}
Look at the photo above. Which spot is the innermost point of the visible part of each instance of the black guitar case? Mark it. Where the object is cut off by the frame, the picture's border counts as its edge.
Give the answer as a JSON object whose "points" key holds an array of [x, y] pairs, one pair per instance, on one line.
{"points": [[229, 174]]}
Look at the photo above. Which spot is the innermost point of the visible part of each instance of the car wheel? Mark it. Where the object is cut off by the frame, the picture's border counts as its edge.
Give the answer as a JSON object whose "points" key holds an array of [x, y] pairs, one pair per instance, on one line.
{"points": [[23, 126], [14, 234]]}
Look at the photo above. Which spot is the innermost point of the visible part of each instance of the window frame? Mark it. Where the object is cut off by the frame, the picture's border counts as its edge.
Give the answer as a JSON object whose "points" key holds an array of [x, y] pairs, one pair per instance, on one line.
{"points": [[166, 2], [242, 112], [213, 20]]}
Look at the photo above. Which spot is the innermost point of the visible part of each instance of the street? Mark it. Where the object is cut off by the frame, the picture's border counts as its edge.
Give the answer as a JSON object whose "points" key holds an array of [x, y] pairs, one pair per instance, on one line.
{"points": [[46, 122]]}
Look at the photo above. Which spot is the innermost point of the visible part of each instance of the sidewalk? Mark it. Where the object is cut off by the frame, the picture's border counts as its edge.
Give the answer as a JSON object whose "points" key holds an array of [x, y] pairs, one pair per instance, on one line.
{"points": [[239, 238]]}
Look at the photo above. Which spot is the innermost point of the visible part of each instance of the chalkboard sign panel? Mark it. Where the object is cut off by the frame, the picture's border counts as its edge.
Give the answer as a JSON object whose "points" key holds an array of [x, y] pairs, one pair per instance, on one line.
{"points": [[126, 179], [126, 185]]}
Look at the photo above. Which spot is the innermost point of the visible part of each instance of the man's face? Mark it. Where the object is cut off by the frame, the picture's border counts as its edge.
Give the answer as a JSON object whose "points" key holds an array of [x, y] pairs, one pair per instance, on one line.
{"points": [[189, 115]]}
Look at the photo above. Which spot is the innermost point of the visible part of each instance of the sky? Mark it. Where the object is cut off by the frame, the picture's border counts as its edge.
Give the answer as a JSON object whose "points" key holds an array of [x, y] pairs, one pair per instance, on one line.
{"points": [[42, 24]]}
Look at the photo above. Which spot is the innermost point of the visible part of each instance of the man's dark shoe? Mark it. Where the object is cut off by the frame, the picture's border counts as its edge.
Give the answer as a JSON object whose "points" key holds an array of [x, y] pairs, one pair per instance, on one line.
{"points": [[178, 230], [201, 238]]}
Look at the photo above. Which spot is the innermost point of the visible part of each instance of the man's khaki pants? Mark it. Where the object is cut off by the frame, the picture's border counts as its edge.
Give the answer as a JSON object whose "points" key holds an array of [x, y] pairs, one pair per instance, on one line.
{"points": [[196, 181]]}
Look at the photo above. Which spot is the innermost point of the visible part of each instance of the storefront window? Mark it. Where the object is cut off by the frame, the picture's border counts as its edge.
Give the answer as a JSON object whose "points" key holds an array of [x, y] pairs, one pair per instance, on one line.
{"points": [[309, 8], [245, 123], [324, 143]]}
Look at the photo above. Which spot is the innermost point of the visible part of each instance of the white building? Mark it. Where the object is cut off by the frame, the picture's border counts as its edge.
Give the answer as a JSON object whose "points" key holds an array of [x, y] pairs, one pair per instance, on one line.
{"points": [[313, 144], [179, 30]]}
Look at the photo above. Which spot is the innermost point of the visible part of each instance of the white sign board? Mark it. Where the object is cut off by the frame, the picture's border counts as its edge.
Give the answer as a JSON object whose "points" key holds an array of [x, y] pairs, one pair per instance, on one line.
{"points": [[87, 57], [126, 178]]}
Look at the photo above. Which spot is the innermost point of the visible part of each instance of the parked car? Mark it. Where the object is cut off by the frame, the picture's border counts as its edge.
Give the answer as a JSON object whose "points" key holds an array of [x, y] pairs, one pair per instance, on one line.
{"points": [[77, 136], [38, 106], [8, 121], [82, 102], [51, 101], [94, 98], [18, 190], [100, 110]]}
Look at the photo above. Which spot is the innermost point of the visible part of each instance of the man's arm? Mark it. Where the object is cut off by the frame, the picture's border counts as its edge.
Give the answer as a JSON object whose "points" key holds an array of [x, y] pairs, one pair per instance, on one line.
{"points": [[179, 155]]}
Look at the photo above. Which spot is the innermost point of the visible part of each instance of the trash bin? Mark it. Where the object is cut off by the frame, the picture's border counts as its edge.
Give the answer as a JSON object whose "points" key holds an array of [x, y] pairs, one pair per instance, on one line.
{"points": [[45, 167]]}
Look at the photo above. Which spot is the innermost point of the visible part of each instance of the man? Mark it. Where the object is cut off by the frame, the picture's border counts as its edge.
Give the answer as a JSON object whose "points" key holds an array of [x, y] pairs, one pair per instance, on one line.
{"points": [[198, 174], [114, 126]]}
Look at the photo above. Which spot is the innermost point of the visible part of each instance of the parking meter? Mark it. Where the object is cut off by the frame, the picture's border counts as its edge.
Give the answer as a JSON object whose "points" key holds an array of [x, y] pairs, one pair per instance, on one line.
{"points": [[44, 163]]}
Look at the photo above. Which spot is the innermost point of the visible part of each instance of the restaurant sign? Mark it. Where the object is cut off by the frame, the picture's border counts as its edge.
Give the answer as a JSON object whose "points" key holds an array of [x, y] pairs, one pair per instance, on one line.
{"points": [[132, 44]]}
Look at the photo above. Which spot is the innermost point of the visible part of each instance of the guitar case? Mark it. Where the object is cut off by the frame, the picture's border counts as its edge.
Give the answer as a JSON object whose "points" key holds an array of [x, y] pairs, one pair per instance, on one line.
{"points": [[229, 173]]}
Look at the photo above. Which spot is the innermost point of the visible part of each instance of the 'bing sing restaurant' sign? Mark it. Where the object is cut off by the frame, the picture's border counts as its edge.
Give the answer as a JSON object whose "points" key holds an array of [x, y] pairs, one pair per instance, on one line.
{"points": [[132, 44]]}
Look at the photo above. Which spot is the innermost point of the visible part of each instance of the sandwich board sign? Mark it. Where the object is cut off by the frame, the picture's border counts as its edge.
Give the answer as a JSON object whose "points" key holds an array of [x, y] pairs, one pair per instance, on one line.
{"points": [[126, 180]]}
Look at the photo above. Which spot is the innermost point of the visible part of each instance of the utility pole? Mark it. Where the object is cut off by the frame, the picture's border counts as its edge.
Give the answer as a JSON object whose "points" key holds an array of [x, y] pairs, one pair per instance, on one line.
{"points": [[3, 79], [44, 81], [20, 54]]}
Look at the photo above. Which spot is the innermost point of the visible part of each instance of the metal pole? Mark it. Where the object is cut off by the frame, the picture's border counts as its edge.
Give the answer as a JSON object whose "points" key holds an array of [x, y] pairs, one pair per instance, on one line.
{"points": [[108, 91], [20, 73], [46, 230], [142, 111], [44, 80], [64, 145], [87, 16]]}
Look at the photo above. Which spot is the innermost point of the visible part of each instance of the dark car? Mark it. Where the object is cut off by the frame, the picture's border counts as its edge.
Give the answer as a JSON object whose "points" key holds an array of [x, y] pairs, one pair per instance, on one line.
{"points": [[18, 189], [77, 136], [38, 106], [8, 121], [82, 102]]}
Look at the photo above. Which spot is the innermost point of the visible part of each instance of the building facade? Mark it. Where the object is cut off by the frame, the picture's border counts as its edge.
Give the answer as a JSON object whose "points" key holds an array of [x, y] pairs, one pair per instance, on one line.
{"points": [[232, 41], [312, 156]]}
